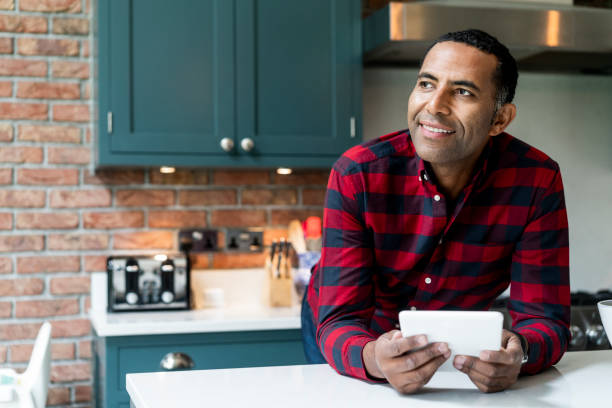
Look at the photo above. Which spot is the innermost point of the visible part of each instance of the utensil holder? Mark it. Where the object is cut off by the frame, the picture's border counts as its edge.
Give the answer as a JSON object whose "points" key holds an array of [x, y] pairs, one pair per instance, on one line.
{"points": [[281, 291]]}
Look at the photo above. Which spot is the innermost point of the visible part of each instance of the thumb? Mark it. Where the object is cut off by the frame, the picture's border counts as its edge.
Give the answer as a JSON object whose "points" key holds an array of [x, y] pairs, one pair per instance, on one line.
{"points": [[397, 335]]}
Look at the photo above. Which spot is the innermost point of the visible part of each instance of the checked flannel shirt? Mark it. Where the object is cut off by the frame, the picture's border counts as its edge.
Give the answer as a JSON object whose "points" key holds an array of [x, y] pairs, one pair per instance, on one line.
{"points": [[391, 241]]}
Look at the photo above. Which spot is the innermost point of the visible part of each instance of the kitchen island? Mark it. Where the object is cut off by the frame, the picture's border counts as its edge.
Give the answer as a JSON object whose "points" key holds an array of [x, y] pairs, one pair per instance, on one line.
{"points": [[580, 379]]}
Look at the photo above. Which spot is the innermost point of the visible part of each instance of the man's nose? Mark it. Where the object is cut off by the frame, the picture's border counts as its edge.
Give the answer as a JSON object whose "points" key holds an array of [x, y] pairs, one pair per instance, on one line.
{"points": [[438, 103]]}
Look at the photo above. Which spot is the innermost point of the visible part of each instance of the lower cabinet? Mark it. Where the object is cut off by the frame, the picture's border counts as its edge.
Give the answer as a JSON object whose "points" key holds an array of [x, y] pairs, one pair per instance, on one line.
{"points": [[117, 356]]}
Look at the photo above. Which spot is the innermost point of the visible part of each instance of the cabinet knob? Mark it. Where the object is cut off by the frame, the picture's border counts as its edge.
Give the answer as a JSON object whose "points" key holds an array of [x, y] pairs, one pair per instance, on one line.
{"points": [[247, 144], [176, 361], [227, 144]]}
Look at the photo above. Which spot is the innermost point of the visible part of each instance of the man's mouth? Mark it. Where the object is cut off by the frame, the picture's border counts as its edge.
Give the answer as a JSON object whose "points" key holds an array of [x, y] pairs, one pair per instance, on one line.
{"points": [[435, 128]]}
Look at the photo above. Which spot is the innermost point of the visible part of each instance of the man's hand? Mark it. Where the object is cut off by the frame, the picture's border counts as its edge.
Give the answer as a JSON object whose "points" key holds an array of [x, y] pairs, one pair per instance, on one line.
{"points": [[408, 363], [495, 370]]}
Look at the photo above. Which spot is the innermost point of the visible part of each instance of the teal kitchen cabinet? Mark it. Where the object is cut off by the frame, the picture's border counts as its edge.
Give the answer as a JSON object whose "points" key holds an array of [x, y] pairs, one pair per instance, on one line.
{"points": [[117, 356], [279, 82]]}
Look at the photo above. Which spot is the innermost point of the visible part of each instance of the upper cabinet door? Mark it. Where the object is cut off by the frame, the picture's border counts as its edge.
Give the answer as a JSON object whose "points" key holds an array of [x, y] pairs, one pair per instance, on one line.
{"points": [[166, 74], [299, 76]]}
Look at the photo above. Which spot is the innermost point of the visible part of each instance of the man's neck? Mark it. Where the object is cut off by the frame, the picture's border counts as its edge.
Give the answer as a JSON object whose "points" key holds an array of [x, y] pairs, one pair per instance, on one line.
{"points": [[453, 177]]}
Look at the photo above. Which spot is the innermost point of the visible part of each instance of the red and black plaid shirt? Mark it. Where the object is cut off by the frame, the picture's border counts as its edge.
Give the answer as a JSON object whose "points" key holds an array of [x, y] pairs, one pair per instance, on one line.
{"points": [[392, 241]]}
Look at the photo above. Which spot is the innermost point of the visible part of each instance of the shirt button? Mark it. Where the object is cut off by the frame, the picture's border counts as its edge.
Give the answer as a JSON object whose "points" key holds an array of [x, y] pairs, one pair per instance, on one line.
{"points": [[425, 176], [440, 241], [437, 197], [420, 179], [428, 280]]}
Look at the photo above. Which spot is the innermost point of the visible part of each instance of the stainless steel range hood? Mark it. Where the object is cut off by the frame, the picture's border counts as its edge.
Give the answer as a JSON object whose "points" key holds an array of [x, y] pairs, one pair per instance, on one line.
{"points": [[541, 37]]}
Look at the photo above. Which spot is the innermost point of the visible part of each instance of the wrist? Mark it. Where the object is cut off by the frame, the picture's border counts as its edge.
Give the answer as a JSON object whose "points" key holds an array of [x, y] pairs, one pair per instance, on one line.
{"points": [[524, 346], [368, 355]]}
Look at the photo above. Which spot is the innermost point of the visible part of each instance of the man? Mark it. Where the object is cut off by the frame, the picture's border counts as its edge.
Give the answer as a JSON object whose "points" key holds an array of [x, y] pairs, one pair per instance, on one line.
{"points": [[445, 215]]}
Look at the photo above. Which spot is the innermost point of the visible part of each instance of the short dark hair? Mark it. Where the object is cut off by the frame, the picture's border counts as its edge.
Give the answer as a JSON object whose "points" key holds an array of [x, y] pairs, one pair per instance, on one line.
{"points": [[506, 74]]}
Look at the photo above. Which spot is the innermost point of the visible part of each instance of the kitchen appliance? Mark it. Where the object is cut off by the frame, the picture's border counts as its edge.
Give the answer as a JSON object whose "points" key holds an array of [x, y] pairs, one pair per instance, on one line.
{"points": [[587, 332], [147, 282]]}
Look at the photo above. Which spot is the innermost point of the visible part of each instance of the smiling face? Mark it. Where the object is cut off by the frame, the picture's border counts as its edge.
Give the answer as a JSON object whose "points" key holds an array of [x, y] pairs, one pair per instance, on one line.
{"points": [[452, 106]]}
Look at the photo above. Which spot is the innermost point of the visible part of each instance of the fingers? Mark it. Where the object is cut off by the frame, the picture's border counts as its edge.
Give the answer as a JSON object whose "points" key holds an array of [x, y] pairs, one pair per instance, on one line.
{"points": [[512, 353], [395, 345], [414, 380], [488, 384], [417, 358], [487, 376]]}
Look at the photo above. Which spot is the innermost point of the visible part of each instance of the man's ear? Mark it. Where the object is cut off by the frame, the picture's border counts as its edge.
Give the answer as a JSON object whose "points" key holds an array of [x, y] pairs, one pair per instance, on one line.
{"points": [[502, 119]]}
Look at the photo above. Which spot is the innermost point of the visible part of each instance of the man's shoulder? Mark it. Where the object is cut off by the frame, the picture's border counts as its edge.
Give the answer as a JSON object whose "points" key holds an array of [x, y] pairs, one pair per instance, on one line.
{"points": [[513, 152], [360, 156]]}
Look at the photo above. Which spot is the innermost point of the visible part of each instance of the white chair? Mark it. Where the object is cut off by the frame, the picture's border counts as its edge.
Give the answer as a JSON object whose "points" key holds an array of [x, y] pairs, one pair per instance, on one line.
{"points": [[31, 386]]}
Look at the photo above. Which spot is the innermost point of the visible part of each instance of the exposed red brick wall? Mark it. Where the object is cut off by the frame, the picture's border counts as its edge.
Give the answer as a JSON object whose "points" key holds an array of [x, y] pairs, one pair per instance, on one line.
{"points": [[59, 220]]}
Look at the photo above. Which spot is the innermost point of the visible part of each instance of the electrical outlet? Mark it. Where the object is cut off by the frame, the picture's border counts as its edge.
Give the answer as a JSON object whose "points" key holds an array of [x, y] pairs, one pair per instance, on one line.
{"points": [[244, 240], [199, 240]]}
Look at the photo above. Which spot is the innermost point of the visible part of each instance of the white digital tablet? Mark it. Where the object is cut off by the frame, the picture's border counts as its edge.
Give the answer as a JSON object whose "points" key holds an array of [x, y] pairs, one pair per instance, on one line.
{"points": [[467, 333]]}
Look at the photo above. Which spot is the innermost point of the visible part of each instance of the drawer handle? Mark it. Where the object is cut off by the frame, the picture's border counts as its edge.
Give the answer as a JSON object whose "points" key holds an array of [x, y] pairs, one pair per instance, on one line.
{"points": [[176, 361]]}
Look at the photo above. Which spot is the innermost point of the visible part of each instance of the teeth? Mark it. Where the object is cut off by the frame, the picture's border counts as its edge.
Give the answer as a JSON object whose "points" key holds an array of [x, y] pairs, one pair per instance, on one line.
{"points": [[433, 129]]}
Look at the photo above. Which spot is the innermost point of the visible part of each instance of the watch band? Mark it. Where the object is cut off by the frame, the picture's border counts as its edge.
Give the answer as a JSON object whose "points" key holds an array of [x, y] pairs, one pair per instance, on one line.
{"points": [[524, 346]]}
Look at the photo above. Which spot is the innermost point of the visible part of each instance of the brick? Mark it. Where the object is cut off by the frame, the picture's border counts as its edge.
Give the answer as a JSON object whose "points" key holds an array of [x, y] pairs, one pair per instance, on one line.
{"points": [[33, 111], [69, 328], [6, 309], [82, 393], [94, 263], [70, 372], [145, 198], [6, 132], [21, 154], [49, 133], [50, 177], [117, 219], [7, 4], [6, 176], [303, 177], [6, 45], [6, 266], [59, 351], [47, 308], [19, 331], [200, 261], [18, 243], [58, 396], [283, 217], [82, 198], [70, 69], [23, 24], [85, 349], [6, 89], [47, 46], [70, 285], [66, 242], [144, 240], [3, 350], [238, 218], [223, 260], [71, 26], [312, 196], [71, 113], [26, 68], [69, 155], [241, 177], [269, 197], [180, 176], [47, 220], [6, 221], [114, 177], [48, 264], [177, 219], [85, 48], [48, 90], [21, 287], [51, 6], [207, 197], [22, 198], [86, 93]]}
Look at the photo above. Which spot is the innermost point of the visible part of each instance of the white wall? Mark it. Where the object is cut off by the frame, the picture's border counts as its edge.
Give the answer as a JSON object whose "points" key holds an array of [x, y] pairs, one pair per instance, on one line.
{"points": [[569, 117]]}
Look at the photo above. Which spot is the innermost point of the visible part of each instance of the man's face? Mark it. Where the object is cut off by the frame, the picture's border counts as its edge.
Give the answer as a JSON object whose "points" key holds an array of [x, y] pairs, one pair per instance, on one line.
{"points": [[451, 108]]}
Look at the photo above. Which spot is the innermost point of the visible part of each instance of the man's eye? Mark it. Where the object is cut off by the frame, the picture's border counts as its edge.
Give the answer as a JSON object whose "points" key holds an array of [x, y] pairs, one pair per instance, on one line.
{"points": [[464, 92], [425, 84]]}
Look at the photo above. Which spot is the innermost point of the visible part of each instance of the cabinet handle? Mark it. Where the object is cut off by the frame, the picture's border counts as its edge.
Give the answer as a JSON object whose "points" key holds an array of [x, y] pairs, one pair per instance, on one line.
{"points": [[176, 361], [247, 144], [227, 144]]}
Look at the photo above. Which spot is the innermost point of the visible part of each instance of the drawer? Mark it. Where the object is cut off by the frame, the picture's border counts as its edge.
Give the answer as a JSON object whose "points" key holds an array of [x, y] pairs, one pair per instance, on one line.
{"points": [[210, 351]]}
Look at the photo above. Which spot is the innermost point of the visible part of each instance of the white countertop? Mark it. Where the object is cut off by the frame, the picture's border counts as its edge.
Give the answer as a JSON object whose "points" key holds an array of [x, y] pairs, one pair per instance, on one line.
{"points": [[580, 379], [194, 321], [244, 300]]}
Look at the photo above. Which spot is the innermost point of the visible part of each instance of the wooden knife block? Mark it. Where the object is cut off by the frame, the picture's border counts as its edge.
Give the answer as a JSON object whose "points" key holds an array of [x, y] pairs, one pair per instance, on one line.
{"points": [[281, 292]]}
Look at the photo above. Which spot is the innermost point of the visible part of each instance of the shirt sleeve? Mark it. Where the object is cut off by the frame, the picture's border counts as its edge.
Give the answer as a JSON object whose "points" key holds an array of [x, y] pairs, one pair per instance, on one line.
{"points": [[344, 279], [540, 292]]}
